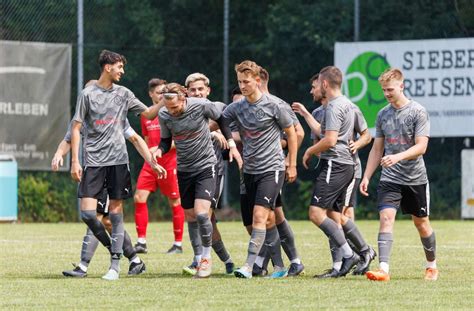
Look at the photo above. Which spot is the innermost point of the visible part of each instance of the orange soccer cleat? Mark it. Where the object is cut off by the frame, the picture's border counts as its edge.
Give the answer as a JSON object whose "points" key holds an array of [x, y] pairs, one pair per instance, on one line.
{"points": [[378, 275], [431, 274]]}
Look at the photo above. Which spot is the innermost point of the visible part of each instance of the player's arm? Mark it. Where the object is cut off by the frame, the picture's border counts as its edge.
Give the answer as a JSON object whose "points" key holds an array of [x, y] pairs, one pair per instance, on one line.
{"points": [[328, 141], [373, 162], [415, 151], [299, 131], [63, 148], [76, 169], [143, 150], [292, 142], [314, 125], [364, 139], [224, 122]]}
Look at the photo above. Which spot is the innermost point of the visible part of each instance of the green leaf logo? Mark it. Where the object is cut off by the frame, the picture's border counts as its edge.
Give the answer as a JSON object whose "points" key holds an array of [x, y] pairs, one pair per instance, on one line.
{"points": [[361, 84]]}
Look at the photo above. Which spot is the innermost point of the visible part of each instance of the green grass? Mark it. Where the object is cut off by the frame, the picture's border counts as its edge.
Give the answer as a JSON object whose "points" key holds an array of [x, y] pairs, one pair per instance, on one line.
{"points": [[32, 257]]}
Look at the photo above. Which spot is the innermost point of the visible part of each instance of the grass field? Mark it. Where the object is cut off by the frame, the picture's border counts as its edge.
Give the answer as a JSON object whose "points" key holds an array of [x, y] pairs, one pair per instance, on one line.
{"points": [[33, 256]]}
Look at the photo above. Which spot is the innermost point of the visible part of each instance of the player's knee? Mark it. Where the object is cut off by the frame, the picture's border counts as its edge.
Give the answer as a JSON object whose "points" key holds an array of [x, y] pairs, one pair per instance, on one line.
{"points": [[88, 216]]}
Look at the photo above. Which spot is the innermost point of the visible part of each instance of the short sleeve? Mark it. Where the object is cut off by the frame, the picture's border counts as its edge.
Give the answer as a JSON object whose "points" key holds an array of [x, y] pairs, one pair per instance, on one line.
{"points": [[81, 108], [422, 123], [360, 125], [378, 126], [165, 132]]}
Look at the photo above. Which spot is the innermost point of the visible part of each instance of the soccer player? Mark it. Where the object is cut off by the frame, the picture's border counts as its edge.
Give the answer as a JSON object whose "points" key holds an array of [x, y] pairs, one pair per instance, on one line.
{"points": [[103, 108], [281, 234], [197, 85], [314, 120], [401, 139], [90, 242], [148, 180], [260, 119], [335, 172], [186, 120]]}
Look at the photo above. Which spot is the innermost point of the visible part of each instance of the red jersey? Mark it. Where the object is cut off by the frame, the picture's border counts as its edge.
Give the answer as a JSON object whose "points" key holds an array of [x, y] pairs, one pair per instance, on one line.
{"points": [[151, 130]]}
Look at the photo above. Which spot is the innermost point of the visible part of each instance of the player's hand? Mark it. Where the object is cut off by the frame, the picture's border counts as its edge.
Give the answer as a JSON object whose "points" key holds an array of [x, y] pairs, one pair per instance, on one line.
{"points": [[291, 174], [287, 161], [56, 162], [234, 154], [160, 171], [221, 139], [389, 160], [76, 171], [299, 109], [306, 159], [157, 154], [353, 146], [364, 185]]}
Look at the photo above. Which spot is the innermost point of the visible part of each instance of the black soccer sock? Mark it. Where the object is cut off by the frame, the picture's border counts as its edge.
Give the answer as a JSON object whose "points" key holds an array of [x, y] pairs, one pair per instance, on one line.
{"points": [[287, 239], [128, 249], [429, 245], [219, 247], [272, 241], [353, 234], [90, 219]]}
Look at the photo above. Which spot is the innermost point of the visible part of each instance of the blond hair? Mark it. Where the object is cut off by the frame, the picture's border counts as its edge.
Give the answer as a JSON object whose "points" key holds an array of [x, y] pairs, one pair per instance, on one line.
{"points": [[391, 74], [197, 76], [175, 88], [248, 66]]}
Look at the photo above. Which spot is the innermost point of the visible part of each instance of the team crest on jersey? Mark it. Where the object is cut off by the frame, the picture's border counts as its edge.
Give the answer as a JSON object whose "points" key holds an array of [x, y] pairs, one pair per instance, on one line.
{"points": [[118, 100], [194, 115], [260, 114], [409, 120]]}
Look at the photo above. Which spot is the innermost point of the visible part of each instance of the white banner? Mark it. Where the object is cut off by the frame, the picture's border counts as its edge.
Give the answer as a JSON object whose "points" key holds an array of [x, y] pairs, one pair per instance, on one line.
{"points": [[439, 74], [35, 88]]}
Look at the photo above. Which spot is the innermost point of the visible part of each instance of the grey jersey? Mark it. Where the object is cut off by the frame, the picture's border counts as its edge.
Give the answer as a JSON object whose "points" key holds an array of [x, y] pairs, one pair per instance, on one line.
{"points": [[128, 132], [259, 125], [220, 159], [399, 128], [288, 109], [104, 113], [190, 132], [318, 115], [360, 125], [339, 117]]}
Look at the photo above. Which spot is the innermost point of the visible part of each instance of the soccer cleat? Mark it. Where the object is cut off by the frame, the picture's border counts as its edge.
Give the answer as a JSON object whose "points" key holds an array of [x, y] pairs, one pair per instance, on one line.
{"points": [[140, 248], [279, 273], [431, 274], [229, 268], [205, 268], [378, 275], [175, 249], [191, 269], [243, 272], [136, 268], [77, 272], [296, 269], [258, 271], [330, 273], [111, 275], [348, 264], [366, 258]]}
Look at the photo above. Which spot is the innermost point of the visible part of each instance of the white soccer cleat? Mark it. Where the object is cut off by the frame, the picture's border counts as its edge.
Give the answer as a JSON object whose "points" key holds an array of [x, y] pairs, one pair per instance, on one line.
{"points": [[111, 275]]}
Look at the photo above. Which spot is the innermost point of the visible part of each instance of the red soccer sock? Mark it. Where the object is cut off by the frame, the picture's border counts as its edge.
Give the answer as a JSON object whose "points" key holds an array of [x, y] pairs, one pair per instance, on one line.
{"points": [[141, 219], [178, 223]]}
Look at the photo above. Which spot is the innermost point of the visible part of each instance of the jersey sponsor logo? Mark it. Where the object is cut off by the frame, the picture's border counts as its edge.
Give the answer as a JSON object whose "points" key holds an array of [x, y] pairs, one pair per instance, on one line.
{"points": [[361, 84], [107, 120], [186, 135]]}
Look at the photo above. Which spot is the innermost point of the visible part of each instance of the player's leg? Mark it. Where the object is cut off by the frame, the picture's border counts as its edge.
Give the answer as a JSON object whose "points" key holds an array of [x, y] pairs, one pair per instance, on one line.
{"points": [[217, 243], [273, 243], [287, 239], [415, 201], [169, 187]]}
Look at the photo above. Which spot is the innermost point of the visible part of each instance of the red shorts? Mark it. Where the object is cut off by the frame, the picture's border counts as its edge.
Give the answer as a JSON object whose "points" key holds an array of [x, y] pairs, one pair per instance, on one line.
{"points": [[148, 180]]}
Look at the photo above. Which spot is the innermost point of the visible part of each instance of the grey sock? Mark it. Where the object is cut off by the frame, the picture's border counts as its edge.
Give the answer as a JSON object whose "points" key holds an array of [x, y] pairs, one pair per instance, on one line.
{"points": [[353, 234], [272, 241], [336, 252], [89, 245], [385, 240], [330, 228], [128, 249], [287, 239], [219, 247], [195, 238], [205, 229], [90, 219], [255, 244], [429, 245], [117, 239]]}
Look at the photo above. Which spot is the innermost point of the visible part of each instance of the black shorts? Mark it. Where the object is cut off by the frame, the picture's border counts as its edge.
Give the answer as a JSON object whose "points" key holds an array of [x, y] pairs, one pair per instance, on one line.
{"points": [[246, 210], [351, 193], [332, 180], [218, 192], [115, 178], [263, 189], [197, 185], [413, 200], [103, 203]]}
